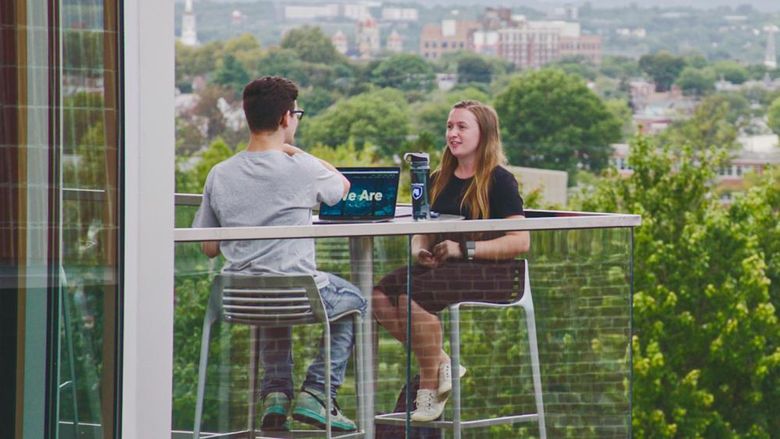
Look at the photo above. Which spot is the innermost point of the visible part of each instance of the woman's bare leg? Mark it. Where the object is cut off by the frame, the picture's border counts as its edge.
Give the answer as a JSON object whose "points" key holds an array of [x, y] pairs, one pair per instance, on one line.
{"points": [[426, 334]]}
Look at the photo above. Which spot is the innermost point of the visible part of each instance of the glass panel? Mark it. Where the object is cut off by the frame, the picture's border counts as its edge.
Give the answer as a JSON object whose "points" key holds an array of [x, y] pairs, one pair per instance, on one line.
{"points": [[59, 238], [579, 296], [225, 403], [89, 293], [581, 300]]}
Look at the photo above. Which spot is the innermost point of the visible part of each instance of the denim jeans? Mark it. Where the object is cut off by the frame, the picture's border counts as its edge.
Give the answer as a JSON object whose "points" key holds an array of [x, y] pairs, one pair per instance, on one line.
{"points": [[338, 297]]}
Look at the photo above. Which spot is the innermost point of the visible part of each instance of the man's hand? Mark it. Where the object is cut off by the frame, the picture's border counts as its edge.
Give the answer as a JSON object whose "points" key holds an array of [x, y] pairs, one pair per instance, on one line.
{"points": [[426, 259], [290, 149], [447, 250]]}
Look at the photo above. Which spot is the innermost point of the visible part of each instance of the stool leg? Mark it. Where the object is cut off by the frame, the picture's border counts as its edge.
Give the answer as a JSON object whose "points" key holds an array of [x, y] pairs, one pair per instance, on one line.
{"points": [[208, 321], [455, 367], [328, 399], [253, 340], [537, 376], [360, 374]]}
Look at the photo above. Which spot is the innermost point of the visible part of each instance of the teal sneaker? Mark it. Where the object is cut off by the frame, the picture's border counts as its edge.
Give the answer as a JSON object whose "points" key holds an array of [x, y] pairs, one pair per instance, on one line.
{"points": [[276, 405], [310, 409]]}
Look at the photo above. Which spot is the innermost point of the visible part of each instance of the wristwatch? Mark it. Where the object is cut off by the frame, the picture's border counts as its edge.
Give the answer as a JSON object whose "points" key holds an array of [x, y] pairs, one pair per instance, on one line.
{"points": [[471, 250]]}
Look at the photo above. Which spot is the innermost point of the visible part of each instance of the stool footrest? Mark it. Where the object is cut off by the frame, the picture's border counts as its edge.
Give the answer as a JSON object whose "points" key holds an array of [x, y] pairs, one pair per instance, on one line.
{"points": [[259, 434], [399, 418]]}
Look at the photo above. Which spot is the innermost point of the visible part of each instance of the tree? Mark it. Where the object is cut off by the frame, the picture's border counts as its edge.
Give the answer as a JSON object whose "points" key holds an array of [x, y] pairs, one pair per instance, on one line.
{"points": [[245, 48], [706, 355], [707, 129], [731, 71], [379, 118], [773, 116], [231, 74], [430, 116], [404, 71], [474, 68], [312, 45], [697, 82], [663, 67], [552, 120]]}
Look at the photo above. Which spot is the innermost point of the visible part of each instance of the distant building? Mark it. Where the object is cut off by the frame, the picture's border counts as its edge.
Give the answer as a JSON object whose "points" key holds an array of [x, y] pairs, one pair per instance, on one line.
{"points": [[532, 44], [340, 42], [655, 111], [755, 155], [451, 36], [485, 42], [770, 56], [311, 12], [400, 14], [189, 33], [395, 42], [585, 46], [367, 37], [446, 81], [552, 185], [567, 12], [237, 17], [355, 11]]}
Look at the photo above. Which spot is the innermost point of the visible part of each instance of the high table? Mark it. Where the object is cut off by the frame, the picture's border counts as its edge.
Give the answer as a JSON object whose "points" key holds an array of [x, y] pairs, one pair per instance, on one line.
{"points": [[361, 250]]}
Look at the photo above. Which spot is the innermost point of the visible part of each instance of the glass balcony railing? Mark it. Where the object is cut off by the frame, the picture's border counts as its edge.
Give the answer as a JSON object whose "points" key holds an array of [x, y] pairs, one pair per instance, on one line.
{"points": [[579, 272]]}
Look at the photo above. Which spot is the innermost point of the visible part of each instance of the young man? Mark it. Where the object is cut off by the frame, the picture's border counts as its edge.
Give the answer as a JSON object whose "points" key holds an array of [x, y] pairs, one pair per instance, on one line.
{"points": [[273, 183]]}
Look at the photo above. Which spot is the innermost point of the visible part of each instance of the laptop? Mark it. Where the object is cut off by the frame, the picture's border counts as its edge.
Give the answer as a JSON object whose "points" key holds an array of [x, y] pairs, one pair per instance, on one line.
{"points": [[372, 196]]}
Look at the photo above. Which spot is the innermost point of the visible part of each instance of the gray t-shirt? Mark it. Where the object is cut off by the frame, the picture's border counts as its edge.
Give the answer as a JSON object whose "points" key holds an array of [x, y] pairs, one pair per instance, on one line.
{"points": [[268, 188]]}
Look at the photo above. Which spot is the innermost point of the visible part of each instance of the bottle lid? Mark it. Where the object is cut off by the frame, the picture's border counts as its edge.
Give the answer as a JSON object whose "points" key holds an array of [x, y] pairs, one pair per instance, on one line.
{"points": [[414, 157]]}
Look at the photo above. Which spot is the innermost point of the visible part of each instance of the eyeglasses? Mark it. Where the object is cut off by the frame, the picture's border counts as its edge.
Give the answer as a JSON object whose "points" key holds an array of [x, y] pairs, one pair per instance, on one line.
{"points": [[297, 113]]}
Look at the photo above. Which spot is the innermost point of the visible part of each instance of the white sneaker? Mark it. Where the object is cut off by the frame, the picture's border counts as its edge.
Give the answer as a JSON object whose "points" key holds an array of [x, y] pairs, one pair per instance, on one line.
{"points": [[445, 378], [429, 407]]}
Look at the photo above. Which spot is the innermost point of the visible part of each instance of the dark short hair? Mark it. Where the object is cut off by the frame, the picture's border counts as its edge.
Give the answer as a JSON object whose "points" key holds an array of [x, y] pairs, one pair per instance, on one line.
{"points": [[266, 100]]}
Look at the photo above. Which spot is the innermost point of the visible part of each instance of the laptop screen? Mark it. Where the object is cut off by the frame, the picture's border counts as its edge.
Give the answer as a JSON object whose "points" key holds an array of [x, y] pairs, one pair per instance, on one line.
{"points": [[372, 195]]}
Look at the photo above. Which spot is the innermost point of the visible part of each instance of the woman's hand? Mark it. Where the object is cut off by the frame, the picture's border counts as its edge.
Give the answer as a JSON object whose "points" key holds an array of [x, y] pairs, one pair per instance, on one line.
{"points": [[446, 250]]}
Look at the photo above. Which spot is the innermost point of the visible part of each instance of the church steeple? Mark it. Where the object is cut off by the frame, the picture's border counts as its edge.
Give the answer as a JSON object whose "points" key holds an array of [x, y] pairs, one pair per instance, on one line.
{"points": [[770, 58], [189, 35]]}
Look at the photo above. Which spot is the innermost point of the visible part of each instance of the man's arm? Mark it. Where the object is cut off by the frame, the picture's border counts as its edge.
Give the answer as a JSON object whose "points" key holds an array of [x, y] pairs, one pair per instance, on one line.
{"points": [[292, 150], [210, 248]]}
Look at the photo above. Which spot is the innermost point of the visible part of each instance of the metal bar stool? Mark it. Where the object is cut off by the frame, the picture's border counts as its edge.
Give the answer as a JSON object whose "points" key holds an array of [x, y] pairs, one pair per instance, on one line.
{"points": [[271, 301], [457, 425]]}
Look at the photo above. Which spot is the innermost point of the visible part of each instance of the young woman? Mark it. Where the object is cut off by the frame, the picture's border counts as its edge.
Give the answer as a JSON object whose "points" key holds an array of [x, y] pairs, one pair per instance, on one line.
{"points": [[451, 268]]}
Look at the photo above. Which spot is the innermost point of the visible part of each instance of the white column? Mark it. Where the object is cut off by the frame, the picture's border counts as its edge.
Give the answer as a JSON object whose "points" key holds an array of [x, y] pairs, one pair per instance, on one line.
{"points": [[147, 355]]}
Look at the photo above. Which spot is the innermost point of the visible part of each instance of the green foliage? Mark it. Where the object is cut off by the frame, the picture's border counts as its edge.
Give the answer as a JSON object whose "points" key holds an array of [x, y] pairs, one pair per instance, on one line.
{"points": [[430, 116], [577, 66], [231, 74], [663, 67], [621, 111], [315, 100], [193, 61], [731, 71], [379, 118], [552, 120], [405, 72], [706, 355], [707, 129], [695, 81], [619, 67], [192, 180], [474, 68], [773, 116], [311, 45], [288, 63]]}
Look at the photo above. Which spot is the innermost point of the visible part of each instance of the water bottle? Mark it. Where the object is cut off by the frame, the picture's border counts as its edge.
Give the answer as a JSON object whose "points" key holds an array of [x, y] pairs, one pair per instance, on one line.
{"points": [[419, 170]]}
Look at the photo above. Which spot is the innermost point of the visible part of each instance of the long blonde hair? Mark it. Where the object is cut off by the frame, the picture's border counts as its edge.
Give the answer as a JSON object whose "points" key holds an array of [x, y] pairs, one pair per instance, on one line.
{"points": [[490, 154]]}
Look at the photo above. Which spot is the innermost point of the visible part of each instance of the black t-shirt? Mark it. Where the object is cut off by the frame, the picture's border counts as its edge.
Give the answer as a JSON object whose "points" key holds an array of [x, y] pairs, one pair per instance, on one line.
{"points": [[503, 196]]}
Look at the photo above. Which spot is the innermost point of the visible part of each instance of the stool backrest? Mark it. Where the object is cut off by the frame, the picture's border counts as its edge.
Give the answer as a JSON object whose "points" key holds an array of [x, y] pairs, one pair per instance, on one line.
{"points": [[270, 300]]}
